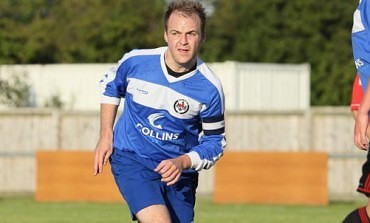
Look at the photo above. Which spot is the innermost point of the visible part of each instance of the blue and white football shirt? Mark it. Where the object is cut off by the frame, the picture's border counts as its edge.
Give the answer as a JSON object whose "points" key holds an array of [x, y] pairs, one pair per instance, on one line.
{"points": [[361, 41], [163, 116]]}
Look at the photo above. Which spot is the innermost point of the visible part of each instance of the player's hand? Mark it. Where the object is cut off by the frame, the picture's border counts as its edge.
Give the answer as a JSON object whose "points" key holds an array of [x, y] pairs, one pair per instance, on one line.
{"points": [[171, 169], [103, 151], [360, 138]]}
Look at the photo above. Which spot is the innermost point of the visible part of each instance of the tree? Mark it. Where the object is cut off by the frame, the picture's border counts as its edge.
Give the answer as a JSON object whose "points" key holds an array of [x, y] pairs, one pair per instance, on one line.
{"points": [[68, 31], [280, 31], [272, 31], [15, 92]]}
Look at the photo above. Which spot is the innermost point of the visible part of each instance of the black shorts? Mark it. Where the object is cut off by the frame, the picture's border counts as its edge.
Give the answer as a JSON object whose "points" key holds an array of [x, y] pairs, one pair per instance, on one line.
{"points": [[364, 185]]}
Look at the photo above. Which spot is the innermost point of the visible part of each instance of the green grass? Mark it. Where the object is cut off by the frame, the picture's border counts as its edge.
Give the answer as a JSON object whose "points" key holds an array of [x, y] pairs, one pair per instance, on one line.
{"points": [[26, 210]]}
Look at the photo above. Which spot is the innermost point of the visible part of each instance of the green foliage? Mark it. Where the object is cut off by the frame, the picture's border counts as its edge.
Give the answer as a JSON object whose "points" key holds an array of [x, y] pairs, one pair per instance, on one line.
{"points": [[15, 92], [280, 31], [54, 102], [69, 31], [273, 31]]}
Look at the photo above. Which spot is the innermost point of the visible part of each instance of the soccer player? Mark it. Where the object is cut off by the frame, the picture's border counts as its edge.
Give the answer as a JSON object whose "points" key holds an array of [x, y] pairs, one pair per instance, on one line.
{"points": [[172, 124], [361, 53]]}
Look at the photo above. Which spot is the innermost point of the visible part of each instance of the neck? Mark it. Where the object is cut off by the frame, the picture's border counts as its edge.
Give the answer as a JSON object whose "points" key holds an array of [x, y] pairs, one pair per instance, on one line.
{"points": [[176, 67], [179, 74]]}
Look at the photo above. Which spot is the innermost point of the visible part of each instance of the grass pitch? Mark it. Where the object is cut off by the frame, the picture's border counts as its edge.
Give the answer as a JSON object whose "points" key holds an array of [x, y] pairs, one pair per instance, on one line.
{"points": [[26, 210]]}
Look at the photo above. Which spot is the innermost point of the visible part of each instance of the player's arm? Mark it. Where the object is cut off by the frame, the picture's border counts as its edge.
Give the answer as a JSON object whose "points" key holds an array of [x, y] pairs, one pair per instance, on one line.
{"points": [[112, 90], [203, 156], [361, 49], [104, 148], [362, 121], [211, 144], [213, 141]]}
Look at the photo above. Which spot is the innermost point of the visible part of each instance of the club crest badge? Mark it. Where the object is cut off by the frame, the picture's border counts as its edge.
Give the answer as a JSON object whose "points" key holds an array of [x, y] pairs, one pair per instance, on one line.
{"points": [[181, 106]]}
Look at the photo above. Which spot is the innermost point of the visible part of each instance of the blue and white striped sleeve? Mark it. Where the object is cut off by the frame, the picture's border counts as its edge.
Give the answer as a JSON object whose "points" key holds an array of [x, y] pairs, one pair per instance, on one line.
{"points": [[213, 142], [112, 84]]}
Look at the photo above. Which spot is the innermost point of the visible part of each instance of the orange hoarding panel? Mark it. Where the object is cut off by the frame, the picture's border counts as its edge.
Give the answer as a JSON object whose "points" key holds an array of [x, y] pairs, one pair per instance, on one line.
{"points": [[272, 178], [68, 176]]}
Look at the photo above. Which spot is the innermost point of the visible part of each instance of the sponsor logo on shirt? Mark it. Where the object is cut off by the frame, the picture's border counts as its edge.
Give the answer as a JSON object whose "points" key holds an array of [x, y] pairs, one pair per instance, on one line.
{"points": [[153, 117], [154, 121]]}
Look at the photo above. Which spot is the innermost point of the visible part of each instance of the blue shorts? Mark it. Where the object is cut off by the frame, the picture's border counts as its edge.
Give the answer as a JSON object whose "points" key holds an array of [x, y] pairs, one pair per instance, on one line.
{"points": [[141, 187]]}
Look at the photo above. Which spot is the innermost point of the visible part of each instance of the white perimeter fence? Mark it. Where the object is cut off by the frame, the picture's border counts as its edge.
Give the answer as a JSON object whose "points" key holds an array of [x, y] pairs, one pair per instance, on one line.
{"points": [[267, 108], [325, 129], [247, 86]]}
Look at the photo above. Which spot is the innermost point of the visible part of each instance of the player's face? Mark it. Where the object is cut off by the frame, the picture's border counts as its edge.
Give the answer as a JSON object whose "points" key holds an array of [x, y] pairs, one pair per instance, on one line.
{"points": [[183, 36]]}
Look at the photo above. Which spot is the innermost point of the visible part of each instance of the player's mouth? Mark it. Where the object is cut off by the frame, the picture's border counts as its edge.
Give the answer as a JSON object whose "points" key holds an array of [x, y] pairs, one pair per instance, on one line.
{"points": [[183, 51]]}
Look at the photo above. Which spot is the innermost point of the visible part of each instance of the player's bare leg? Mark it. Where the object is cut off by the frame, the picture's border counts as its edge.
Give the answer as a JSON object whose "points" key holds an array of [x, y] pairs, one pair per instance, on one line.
{"points": [[154, 214]]}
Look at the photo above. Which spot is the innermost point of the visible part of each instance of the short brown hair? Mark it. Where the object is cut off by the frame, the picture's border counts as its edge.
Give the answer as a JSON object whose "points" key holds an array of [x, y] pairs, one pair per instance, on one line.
{"points": [[187, 7]]}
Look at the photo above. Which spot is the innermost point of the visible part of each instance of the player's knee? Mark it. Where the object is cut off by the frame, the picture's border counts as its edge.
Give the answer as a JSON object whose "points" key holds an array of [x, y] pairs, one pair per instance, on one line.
{"points": [[154, 214]]}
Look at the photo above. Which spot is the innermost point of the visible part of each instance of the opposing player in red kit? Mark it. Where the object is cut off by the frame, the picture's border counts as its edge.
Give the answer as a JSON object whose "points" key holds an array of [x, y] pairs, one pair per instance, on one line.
{"points": [[359, 215]]}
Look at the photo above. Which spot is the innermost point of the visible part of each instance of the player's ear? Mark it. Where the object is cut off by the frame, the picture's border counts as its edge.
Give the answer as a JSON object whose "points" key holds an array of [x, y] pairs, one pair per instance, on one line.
{"points": [[203, 37], [165, 36]]}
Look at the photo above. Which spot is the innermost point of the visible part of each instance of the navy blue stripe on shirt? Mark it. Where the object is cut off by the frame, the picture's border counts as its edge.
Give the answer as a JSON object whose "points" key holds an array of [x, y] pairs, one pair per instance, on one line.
{"points": [[213, 125]]}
